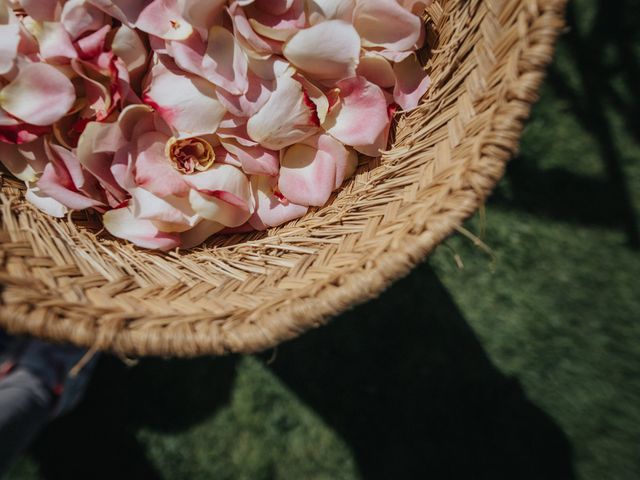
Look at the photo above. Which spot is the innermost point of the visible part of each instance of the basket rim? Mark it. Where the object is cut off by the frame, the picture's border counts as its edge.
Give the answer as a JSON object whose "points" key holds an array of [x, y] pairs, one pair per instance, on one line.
{"points": [[355, 284]]}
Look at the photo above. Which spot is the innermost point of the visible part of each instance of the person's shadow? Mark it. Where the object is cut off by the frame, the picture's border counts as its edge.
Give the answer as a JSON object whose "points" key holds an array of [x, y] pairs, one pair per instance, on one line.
{"points": [[402, 379], [98, 440], [405, 382]]}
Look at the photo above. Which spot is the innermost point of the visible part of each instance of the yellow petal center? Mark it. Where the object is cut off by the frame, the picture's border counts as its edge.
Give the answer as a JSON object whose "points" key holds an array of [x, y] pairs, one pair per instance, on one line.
{"points": [[190, 155]]}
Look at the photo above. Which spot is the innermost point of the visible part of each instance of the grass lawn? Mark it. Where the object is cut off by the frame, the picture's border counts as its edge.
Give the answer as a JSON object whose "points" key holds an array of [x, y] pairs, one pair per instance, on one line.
{"points": [[524, 365]]}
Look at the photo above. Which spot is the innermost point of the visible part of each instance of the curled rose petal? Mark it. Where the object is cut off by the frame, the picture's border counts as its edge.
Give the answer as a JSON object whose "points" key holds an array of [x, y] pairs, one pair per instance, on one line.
{"points": [[79, 17], [272, 208], [17, 165], [96, 147], [99, 100], [134, 121], [411, 84], [251, 156], [40, 94], [126, 11], [213, 207], [56, 184], [128, 46], [386, 24], [288, 117], [361, 114], [277, 26], [254, 44], [169, 214], [44, 203], [316, 96], [377, 69], [223, 178], [123, 224], [91, 46], [255, 160], [64, 181], [24, 161], [222, 194]]}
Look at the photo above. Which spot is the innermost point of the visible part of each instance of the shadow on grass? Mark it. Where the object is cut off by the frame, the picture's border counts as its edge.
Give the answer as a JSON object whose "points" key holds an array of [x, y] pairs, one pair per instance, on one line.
{"points": [[603, 76], [561, 194], [97, 441], [407, 385]]}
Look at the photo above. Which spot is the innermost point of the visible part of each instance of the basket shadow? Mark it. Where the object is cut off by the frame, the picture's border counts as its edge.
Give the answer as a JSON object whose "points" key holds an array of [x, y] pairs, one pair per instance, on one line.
{"points": [[119, 401], [408, 386]]}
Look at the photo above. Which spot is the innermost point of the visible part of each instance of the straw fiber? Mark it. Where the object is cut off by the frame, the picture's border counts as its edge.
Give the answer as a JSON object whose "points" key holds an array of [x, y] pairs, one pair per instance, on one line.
{"points": [[67, 280]]}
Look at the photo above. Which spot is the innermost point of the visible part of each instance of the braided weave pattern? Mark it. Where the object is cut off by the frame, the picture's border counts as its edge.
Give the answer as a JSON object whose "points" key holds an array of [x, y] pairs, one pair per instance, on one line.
{"points": [[67, 280]]}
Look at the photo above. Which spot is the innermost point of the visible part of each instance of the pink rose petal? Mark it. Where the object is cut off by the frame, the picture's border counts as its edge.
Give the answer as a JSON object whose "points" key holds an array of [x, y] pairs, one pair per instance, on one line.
{"points": [[187, 103], [307, 175], [163, 18], [40, 94], [122, 223], [361, 115], [42, 10], [326, 51], [386, 24], [9, 40], [55, 42], [220, 60], [322, 10]]}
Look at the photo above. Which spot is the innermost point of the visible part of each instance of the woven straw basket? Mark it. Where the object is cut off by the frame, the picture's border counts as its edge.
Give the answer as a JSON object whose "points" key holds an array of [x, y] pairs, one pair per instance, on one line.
{"points": [[69, 281]]}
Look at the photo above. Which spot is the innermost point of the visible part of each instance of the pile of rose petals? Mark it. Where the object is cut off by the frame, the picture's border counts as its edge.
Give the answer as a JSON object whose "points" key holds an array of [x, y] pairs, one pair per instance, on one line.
{"points": [[178, 119]]}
